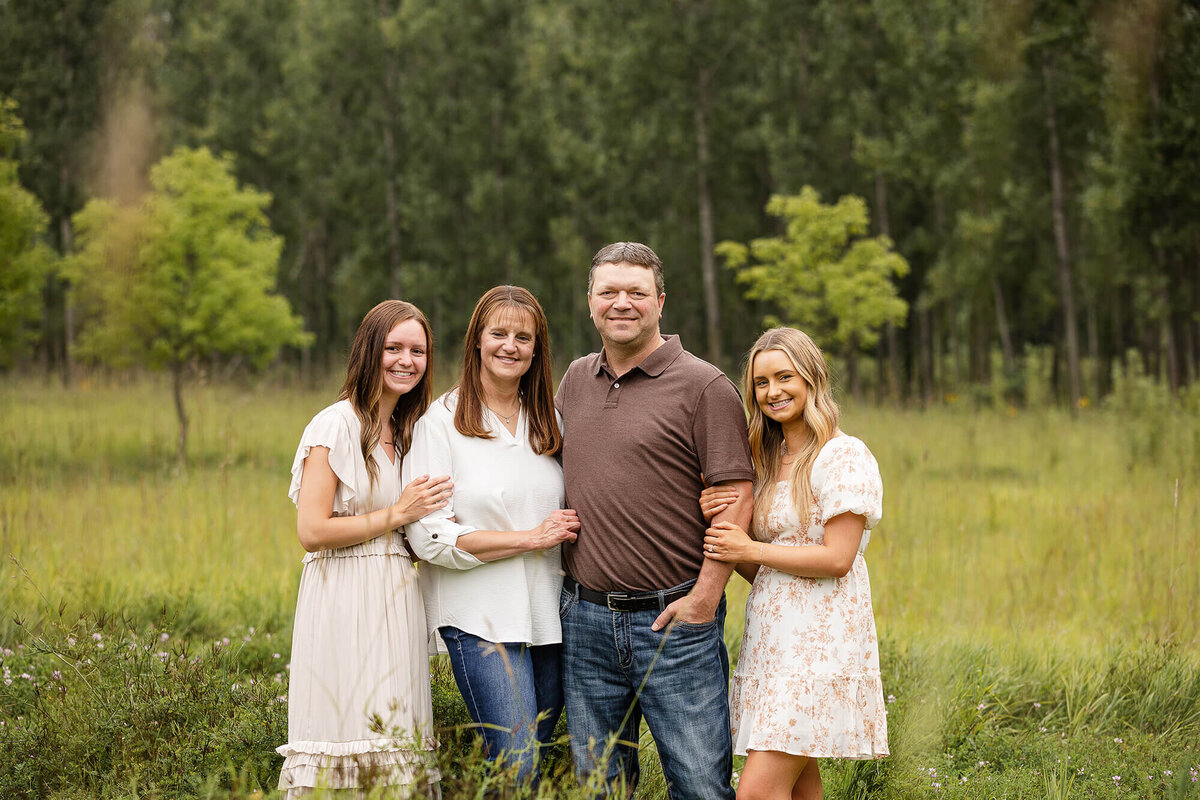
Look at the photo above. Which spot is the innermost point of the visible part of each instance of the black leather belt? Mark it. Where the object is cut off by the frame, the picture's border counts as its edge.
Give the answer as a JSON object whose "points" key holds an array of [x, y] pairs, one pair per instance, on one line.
{"points": [[624, 601]]}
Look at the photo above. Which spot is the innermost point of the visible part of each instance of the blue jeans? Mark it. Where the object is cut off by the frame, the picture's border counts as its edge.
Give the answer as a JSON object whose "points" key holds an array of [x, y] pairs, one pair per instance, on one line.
{"points": [[513, 693], [615, 669]]}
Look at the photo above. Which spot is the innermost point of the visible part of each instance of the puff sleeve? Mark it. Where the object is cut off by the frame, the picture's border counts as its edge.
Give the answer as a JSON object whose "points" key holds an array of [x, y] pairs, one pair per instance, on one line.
{"points": [[846, 479]]}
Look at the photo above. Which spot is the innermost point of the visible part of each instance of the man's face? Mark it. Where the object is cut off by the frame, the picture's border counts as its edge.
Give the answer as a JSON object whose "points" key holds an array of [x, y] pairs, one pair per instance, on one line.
{"points": [[623, 305]]}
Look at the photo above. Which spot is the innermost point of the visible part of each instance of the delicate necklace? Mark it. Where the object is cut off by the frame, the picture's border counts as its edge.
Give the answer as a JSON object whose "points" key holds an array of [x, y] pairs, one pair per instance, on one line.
{"points": [[506, 417]]}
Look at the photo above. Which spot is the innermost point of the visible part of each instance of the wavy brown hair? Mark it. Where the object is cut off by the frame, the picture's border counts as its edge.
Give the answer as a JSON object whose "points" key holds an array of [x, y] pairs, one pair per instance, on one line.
{"points": [[364, 379], [820, 418], [536, 389]]}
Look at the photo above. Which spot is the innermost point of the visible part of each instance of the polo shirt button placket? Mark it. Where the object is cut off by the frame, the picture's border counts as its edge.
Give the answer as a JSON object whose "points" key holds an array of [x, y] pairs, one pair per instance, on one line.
{"points": [[614, 395]]}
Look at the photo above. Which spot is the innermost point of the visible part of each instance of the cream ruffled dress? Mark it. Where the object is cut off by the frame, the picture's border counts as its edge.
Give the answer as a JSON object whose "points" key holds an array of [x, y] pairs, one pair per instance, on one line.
{"points": [[358, 644]]}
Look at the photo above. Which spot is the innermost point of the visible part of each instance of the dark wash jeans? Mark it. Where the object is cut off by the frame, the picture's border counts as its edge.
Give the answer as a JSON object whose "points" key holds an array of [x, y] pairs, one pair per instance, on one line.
{"points": [[505, 691], [685, 696]]}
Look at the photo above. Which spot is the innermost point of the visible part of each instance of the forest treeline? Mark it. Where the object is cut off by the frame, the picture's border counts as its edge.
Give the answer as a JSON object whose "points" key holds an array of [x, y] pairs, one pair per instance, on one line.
{"points": [[1035, 162]]}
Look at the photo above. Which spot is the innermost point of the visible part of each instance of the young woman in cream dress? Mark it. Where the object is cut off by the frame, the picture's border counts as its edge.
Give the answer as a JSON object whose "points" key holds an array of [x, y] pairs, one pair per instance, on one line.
{"points": [[358, 643]]}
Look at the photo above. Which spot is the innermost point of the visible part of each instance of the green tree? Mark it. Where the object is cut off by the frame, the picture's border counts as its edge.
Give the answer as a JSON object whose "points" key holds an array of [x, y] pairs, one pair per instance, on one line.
{"points": [[55, 61], [182, 278], [822, 273], [24, 257]]}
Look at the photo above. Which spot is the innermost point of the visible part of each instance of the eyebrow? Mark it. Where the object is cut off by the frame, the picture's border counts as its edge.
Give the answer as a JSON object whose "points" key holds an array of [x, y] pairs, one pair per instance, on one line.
{"points": [[605, 287]]}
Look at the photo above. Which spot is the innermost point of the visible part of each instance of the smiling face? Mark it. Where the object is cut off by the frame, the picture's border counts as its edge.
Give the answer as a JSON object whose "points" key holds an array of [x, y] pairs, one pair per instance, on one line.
{"points": [[506, 345], [405, 355], [624, 305], [779, 390]]}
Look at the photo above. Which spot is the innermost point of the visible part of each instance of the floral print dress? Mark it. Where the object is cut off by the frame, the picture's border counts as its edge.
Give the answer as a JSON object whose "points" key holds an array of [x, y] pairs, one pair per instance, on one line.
{"points": [[807, 681]]}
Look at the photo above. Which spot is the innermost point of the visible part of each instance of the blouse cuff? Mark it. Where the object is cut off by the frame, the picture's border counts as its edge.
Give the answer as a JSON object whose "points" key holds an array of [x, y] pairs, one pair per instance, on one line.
{"points": [[434, 540]]}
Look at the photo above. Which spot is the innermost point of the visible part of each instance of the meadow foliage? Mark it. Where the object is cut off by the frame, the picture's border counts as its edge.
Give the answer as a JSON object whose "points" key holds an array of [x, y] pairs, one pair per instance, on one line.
{"points": [[1035, 587]]}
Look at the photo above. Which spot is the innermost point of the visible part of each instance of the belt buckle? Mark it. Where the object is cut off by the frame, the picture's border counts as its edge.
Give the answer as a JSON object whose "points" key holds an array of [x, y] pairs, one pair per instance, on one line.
{"points": [[610, 596]]}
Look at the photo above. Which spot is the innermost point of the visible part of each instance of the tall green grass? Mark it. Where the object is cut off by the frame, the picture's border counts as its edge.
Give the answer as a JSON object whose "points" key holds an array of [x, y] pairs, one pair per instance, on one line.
{"points": [[1035, 578]]}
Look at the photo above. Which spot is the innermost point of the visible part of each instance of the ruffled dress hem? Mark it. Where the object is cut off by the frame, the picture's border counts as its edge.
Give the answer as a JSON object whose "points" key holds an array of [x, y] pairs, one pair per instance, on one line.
{"points": [[358, 764], [836, 717]]}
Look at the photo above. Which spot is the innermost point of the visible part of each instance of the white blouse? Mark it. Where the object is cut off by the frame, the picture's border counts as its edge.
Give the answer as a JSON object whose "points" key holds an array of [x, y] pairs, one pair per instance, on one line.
{"points": [[500, 484]]}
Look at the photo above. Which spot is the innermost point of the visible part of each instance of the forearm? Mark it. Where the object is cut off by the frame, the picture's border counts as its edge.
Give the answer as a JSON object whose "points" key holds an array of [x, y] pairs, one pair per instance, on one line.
{"points": [[807, 561], [495, 545], [710, 583], [714, 575], [318, 532]]}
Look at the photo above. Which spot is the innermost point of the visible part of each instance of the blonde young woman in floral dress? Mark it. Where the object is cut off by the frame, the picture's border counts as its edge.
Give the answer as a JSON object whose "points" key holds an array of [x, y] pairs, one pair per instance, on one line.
{"points": [[807, 684]]}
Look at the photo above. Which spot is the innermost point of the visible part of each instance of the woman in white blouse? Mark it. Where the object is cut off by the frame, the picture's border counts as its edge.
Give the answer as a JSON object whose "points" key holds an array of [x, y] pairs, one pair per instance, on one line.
{"points": [[492, 578]]}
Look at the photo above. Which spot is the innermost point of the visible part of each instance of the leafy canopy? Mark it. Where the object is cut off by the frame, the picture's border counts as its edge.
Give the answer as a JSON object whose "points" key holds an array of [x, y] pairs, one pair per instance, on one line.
{"points": [[186, 275], [24, 256], [821, 274]]}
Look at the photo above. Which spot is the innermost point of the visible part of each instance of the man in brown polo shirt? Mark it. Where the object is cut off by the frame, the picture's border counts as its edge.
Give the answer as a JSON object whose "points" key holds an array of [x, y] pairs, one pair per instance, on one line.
{"points": [[643, 611]]}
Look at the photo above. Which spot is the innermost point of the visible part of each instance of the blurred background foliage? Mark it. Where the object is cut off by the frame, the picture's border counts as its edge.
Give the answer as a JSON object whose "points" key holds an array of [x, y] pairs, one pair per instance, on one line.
{"points": [[1035, 164]]}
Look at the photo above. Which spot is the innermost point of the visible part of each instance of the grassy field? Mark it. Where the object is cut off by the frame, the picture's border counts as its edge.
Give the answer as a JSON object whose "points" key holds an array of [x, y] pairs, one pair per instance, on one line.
{"points": [[1036, 580]]}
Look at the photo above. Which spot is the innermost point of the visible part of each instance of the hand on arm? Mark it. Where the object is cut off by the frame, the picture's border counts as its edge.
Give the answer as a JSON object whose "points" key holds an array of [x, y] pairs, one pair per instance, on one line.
{"points": [[560, 526], [700, 604], [317, 527], [832, 559], [713, 501], [716, 499]]}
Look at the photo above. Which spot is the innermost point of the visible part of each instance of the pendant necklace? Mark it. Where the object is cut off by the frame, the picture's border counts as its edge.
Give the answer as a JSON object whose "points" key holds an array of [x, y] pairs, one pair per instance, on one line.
{"points": [[507, 418]]}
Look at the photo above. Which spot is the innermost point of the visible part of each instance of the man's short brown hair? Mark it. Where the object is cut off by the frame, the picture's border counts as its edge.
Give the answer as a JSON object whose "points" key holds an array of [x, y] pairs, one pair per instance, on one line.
{"points": [[634, 253]]}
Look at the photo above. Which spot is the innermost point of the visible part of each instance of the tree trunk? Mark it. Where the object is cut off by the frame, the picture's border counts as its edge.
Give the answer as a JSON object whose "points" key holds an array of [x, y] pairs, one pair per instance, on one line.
{"points": [[958, 337], [1093, 339], [925, 329], [892, 371], [937, 338], [68, 247], [1167, 330], [390, 81], [1191, 331], [396, 282], [177, 384], [852, 378], [1006, 345], [708, 267], [1061, 244]]}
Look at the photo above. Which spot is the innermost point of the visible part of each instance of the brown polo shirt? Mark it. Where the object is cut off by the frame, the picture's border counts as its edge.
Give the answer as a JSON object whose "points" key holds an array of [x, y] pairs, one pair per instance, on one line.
{"points": [[634, 447]]}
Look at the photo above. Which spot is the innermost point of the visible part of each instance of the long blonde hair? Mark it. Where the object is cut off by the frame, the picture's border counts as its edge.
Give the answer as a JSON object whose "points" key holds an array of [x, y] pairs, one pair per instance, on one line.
{"points": [[820, 418]]}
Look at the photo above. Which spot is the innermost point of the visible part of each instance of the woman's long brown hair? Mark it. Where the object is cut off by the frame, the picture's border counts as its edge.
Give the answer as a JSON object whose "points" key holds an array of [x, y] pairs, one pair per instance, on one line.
{"points": [[364, 379], [536, 389]]}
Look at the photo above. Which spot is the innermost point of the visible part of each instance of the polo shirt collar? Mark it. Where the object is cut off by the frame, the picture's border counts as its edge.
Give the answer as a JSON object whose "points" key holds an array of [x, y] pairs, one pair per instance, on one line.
{"points": [[653, 364]]}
